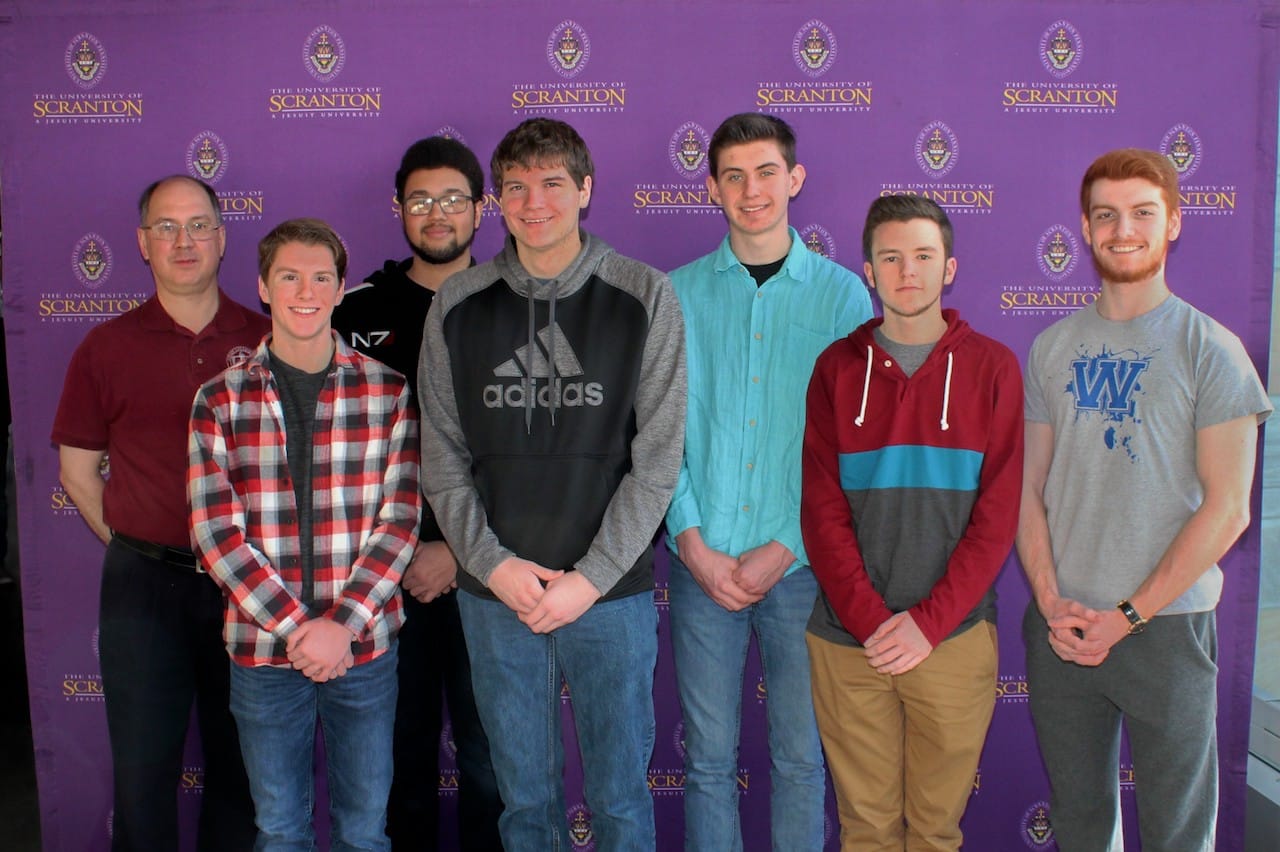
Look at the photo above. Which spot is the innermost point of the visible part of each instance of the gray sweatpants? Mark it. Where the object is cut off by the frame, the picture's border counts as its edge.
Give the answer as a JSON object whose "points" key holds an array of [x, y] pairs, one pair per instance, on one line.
{"points": [[1163, 684]]}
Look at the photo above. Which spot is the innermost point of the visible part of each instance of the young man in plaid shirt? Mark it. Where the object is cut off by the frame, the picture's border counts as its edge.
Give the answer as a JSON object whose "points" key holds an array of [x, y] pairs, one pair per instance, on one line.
{"points": [[303, 484]]}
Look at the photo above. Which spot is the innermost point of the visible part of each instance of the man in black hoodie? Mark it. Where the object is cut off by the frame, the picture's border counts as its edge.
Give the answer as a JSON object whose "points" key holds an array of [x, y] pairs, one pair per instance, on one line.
{"points": [[439, 187]]}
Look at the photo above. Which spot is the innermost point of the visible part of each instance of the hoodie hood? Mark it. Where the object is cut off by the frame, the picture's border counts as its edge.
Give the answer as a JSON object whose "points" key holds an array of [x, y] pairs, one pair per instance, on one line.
{"points": [[392, 270]]}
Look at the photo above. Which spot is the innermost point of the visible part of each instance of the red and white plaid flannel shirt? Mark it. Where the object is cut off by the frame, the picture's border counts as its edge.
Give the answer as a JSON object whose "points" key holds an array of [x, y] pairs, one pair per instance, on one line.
{"points": [[366, 503]]}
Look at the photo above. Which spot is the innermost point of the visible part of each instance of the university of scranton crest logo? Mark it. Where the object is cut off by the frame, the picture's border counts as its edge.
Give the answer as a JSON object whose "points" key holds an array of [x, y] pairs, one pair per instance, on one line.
{"points": [[1061, 49], [448, 131], [1057, 252], [86, 60], [568, 49], [580, 833], [818, 240], [814, 48], [323, 53], [91, 261], [238, 355], [688, 150], [937, 150], [677, 739], [1182, 146], [207, 157], [1037, 831], [447, 743]]}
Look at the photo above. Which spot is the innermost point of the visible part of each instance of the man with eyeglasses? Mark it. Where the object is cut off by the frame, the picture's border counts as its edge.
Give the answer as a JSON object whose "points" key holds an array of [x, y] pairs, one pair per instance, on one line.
{"points": [[127, 397], [439, 186]]}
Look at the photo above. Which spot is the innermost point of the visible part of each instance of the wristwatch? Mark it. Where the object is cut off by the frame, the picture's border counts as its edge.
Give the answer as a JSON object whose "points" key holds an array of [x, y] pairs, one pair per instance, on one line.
{"points": [[1137, 623]]}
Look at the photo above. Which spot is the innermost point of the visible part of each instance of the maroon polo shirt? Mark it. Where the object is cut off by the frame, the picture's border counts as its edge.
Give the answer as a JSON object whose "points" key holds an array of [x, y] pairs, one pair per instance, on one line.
{"points": [[128, 391]]}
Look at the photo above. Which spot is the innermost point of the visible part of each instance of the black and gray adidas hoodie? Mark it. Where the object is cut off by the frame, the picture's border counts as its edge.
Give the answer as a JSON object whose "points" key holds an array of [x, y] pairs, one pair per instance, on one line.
{"points": [[553, 416]]}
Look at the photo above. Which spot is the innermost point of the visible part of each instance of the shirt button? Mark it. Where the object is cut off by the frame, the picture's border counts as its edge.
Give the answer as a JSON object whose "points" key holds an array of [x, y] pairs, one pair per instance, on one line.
{"points": [[751, 422], [755, 380], [757, 335], [888, 363], [759, 295], [746, 508], [750, 466], [199, 360]]}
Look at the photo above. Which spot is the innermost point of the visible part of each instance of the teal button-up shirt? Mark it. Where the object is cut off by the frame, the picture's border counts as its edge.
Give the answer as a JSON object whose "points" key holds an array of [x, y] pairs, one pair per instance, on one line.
{"points": [[750, 353]]}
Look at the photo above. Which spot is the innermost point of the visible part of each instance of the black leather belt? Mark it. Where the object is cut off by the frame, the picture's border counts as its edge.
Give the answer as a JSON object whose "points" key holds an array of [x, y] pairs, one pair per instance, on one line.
{"points": [[178, 556]]}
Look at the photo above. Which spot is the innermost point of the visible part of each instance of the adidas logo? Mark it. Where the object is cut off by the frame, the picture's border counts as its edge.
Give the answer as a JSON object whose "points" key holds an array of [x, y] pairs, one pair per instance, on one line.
{"points": [[532, 360]]}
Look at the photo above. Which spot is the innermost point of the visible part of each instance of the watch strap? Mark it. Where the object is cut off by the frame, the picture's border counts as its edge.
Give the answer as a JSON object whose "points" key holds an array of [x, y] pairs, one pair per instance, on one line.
{"points": [[1136, 622]]}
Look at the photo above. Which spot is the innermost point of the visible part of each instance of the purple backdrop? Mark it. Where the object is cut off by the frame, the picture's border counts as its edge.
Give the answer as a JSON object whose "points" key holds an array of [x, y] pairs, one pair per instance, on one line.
{"points": [[290, 108]]}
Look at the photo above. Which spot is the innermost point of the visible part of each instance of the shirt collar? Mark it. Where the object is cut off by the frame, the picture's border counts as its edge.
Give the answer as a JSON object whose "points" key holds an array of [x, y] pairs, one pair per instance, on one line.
{"points": [[344, 357], [154, 317], [795, 266]]}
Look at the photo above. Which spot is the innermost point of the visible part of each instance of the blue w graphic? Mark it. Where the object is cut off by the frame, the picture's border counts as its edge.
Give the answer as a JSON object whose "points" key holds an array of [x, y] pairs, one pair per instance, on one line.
{"points": [[1106, 384]]}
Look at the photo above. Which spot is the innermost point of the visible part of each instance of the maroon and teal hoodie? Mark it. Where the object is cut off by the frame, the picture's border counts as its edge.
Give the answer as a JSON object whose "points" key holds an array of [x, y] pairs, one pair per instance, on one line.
{"points": [[911, 485]]}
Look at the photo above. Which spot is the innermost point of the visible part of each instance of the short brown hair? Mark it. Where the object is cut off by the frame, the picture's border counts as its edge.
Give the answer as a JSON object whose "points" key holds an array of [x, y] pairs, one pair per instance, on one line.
{"points": [[1130, 163], [309, 232], [542, 142], [905, 208], [747, 127]]}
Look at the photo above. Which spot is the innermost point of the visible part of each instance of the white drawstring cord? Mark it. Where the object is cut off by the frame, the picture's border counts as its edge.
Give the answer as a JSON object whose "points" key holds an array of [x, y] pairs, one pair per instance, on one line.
{"points": [[866, 385], [946, 395]]}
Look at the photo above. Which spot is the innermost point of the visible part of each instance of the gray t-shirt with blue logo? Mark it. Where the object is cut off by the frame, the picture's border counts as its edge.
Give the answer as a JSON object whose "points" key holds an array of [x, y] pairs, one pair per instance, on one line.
{"points": [[1125, 400]]}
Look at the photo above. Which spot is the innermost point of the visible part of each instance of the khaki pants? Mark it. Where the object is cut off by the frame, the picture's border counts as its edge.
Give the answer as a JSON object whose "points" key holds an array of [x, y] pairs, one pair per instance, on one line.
{"points": [[903, 750]]}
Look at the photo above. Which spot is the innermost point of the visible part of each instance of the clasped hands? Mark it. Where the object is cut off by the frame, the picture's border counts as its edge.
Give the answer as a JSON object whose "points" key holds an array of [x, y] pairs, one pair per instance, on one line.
{"points": [[543, 599], [1082, 635], [320, 649]]}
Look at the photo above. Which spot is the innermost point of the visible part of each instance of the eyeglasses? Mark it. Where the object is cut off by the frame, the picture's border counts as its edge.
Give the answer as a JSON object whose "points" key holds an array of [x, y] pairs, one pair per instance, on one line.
{"points": [[420, 205], [168, 231]]}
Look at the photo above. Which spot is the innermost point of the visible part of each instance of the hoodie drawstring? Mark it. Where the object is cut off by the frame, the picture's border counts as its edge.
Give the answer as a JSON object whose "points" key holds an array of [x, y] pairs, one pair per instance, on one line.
{"points": [[946, 394], [946, 391], [552, 397], [527, 382], [530, 381], [866, 387]]}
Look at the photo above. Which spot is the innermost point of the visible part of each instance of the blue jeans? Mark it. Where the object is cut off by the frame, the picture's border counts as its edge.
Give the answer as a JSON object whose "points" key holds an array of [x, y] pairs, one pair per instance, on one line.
{"points": [[710, 646], [607, 658], [276, 711]]}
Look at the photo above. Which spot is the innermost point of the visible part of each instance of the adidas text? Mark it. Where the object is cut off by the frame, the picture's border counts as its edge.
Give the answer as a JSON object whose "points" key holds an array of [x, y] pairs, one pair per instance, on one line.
{"points": [[567, 395]]}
